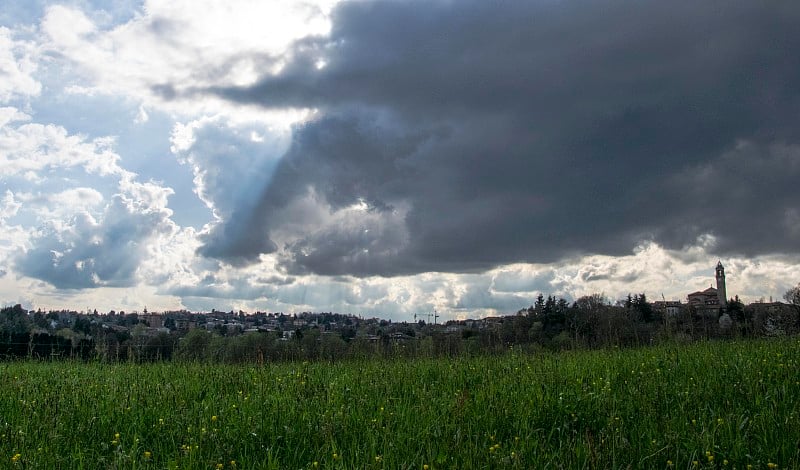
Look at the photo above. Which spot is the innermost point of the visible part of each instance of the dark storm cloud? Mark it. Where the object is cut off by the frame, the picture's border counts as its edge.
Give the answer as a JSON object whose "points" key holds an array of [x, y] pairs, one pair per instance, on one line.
{"points": [[231, 169], [746, 193], [532, 131]]}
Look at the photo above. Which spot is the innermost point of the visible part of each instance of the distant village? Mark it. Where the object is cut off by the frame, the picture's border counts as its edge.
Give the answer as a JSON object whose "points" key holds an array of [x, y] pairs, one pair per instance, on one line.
{"points": [[550, 323]]}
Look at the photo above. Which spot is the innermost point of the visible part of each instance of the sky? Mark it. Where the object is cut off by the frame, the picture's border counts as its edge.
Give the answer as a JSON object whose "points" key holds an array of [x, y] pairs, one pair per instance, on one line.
{"points": [[387, 158]]}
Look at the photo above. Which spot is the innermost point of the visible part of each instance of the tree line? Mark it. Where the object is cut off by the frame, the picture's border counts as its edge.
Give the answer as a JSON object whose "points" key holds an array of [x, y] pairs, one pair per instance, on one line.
{"points": [[549, 323]]}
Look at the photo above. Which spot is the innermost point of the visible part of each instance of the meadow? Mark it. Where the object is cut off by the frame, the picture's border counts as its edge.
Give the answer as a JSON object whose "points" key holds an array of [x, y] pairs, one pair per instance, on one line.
{"points": [[706, 405]]}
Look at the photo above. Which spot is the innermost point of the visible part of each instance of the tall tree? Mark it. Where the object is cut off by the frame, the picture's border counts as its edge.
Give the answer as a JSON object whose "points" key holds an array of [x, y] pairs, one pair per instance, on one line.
{"points": [[643, 307], [539, 306], [793, 295], [590, 303], [14, 320]]}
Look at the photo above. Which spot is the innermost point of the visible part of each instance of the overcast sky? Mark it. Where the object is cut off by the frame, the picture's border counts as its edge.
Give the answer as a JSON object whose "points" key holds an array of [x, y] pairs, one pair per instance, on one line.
{"points": [[388, 158]]}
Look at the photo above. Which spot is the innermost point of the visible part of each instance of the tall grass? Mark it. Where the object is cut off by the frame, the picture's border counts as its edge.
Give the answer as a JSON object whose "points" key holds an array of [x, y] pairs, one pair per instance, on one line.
{"points": [[707, 405]]}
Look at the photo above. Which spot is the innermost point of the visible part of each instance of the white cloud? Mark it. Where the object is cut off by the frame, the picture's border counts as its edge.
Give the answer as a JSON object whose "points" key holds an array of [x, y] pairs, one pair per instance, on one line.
{"points": [[76, 197], [141, 116], [182, 137], [18, 63], [9, 206], [83, 247], [64, 204], [13, 239], [10, 114], [144, 197], [68, 232], [68, 27], [37, 147], [173, 46]]}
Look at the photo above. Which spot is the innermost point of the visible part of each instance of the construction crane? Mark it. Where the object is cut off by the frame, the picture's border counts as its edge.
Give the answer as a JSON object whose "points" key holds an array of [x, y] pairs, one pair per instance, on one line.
{"points": [[433, 315]]}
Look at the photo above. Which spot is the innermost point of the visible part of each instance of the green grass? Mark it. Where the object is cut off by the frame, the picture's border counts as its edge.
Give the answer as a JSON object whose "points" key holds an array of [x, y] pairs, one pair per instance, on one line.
{"points": [[721, 405]]}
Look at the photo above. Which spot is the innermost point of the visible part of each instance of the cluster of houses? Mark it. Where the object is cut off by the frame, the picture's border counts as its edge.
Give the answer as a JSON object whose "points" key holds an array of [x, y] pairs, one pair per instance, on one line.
{"points": [[711, 301], [226, 322], [284, 326]]}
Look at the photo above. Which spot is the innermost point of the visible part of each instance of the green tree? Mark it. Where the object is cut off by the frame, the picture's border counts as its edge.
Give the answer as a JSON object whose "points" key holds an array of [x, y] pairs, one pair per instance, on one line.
{"points": [[40, 321], [591, 303], [539, 306], [643, 307], [15, 330], [82, 325], [159, 347], [332, 347], [310, 343], [194, 346], [14, 320], [584, 317]]}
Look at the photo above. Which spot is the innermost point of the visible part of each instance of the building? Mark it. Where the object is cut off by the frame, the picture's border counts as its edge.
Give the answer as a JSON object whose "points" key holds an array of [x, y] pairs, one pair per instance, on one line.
{"points": [[152, 320], [722, 293], [703, 298], [668, 307], [711, 297]]}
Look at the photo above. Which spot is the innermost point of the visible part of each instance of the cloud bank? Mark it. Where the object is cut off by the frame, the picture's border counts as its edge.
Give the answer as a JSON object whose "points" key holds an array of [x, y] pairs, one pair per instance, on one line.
{"points": [[478, 135]]}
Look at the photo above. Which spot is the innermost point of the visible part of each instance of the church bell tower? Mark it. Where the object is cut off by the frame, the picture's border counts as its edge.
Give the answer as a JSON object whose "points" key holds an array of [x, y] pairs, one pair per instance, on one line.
{"points": [[722, 294]]}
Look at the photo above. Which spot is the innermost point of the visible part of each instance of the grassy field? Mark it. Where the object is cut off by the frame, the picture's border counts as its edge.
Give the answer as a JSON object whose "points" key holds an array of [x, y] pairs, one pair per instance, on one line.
{"points": [[709, 405]]}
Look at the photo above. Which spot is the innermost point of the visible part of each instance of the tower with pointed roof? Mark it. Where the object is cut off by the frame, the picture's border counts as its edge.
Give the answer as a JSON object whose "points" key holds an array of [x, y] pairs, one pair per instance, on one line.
{"points": [[722, 295]]}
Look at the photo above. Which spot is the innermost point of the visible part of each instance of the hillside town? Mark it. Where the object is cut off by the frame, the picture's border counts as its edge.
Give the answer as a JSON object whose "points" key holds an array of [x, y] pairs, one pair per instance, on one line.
{"points": [[550, 322]]}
